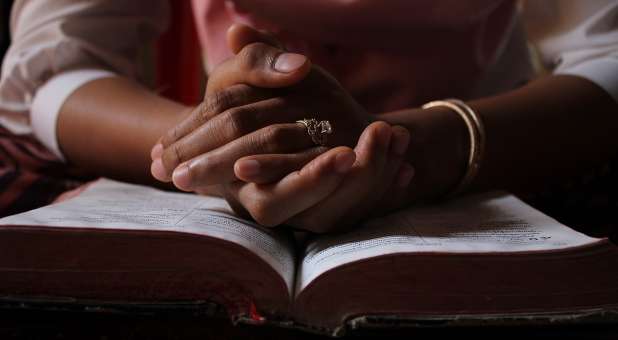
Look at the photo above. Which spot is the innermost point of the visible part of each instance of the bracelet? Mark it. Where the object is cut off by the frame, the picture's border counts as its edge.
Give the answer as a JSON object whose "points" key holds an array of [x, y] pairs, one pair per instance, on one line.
{"points": [[477, 139]]}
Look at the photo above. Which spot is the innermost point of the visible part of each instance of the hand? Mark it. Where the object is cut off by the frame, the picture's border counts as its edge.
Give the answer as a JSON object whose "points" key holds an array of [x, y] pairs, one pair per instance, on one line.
{"points": [[322, 189], [333, 191], [238, 120]]}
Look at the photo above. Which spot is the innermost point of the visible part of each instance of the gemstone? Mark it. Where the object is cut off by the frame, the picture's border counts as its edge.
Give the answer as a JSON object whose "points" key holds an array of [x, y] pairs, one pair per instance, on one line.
{"points": [[326, 127]]}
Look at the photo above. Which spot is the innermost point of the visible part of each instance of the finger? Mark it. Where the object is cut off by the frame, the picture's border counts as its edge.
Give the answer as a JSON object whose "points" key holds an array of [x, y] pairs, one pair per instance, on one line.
{"points": [[272, 204], [215, 104], [217, 166], [400, 141], [156, 151], [269, 168], [239, 36], [225, 128], [230, 191], [373, 145], [371, 175], [399, 175], [397, 190], [260, 65], [399, 187]]}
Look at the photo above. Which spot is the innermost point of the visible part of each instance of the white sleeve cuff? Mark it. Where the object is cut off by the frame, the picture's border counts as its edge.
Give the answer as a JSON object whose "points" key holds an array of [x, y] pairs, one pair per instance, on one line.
{"points": [[601, 71], [49, 99]]}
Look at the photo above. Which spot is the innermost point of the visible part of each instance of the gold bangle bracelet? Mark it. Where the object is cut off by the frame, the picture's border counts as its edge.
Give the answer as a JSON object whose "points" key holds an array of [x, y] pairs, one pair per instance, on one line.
{"points": [[477, 139]]}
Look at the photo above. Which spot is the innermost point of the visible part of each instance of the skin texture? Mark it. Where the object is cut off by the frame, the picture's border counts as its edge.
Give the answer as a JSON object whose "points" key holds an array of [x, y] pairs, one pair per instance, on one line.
{"points": [[545, 132], [539, 135], [207, 154], [108, 126]]}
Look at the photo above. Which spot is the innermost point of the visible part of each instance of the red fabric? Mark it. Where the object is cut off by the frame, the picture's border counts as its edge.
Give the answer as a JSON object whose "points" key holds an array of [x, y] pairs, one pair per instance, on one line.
{"points": [[178, 62], [30, 175]]}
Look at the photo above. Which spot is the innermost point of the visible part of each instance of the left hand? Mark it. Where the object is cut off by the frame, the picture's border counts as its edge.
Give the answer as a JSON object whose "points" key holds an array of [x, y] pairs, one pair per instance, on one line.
{"points": [[333, 191]]}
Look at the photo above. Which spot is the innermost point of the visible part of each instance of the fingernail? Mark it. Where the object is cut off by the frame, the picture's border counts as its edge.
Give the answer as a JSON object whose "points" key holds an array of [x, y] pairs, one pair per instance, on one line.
{"points": [[156, 151], [248, 167], [384, 135], [401, 140], [405, 175], [180, 177], [158, 170], [344, 161], [289, 62]]}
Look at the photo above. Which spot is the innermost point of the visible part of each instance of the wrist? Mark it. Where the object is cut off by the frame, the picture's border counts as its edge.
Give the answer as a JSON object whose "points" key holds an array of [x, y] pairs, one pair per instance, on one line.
{"points": [[476, 133], [439, 149]]}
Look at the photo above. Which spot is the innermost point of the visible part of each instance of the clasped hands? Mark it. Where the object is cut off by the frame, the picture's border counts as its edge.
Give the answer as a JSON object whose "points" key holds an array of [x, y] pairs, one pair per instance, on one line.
{"points": [[243, 141]]}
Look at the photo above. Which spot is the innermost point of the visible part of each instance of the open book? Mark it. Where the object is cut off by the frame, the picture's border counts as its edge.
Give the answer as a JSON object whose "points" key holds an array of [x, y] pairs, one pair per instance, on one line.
{"points": [[477, 258]]}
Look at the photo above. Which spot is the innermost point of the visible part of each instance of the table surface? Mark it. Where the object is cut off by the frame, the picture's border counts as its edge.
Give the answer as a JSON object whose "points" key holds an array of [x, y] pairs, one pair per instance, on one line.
{"points": [[35, 324]]}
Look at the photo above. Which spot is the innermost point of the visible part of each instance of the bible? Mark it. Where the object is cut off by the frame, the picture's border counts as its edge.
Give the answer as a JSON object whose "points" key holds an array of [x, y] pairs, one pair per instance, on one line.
{"points": [[481, 258]]}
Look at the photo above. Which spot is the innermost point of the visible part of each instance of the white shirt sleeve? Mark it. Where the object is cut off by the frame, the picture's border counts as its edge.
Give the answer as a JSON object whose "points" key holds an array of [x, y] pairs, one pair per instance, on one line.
{"points": [[581, 39], [48, 101], [59, 45]]}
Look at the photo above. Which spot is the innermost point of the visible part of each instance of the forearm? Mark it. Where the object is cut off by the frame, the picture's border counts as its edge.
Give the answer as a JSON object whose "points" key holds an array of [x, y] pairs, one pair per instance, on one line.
{"points": [[108, 127], [545, 132]]}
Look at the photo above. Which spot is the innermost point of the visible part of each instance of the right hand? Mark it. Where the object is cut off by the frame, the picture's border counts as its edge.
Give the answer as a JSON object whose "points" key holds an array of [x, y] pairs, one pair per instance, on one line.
{"points": [[247, 78], [238, 120]]}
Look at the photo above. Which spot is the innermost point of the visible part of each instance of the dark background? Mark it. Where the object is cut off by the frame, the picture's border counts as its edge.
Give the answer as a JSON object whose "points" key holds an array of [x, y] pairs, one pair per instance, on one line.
{"points": [[16, 324], [20, 323], [5, 10]]}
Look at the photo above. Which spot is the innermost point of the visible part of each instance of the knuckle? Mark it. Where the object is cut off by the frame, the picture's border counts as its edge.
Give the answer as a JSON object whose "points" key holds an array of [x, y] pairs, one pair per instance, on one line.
{"points": [[177, 153], [171, 136], [254, 55], [239, 121], [175, 134], [216, 103], [205, 111], [275, 136], [200, 114], [240, 93], [172, 156]]}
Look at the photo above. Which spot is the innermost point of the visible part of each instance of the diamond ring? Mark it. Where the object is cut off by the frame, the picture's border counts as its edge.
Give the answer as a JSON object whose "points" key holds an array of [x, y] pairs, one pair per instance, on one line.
{"points": [[317, 130]]}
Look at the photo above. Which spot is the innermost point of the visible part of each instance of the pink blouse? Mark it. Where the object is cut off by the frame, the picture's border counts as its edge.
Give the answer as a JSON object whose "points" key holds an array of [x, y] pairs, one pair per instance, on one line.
{"points": [[390, 54]]}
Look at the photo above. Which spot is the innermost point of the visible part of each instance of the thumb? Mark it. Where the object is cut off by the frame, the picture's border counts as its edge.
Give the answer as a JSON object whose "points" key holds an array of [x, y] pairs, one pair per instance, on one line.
{"points": [[260, 65]]}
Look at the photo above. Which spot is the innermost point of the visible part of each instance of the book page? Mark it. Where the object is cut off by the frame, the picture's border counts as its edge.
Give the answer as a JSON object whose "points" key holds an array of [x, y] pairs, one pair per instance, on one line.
{"points": [[108, 204], [492, 223]]}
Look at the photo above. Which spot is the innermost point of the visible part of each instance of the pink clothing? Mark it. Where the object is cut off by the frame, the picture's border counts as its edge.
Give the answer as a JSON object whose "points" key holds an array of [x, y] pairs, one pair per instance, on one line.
{"points": [[390, 54]]}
